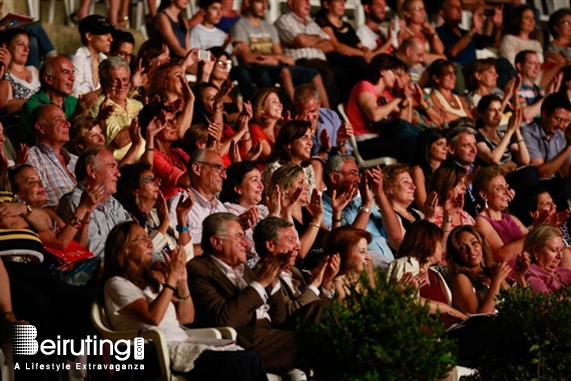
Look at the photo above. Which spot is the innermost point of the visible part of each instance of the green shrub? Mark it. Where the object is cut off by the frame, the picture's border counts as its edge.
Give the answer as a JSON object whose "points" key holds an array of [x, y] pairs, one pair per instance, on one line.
{"points": [[377, 334], [534, 338]]}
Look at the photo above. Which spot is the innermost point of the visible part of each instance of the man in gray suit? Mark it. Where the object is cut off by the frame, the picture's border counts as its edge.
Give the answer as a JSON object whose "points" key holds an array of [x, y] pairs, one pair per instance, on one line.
{"points": [[274, 237], [228, 293]]}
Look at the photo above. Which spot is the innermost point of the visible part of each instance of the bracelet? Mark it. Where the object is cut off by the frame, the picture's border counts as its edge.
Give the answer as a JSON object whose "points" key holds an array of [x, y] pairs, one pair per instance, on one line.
{"points": [[150, 148], [364, 209], [182, 229], [447, 220], [29, 211], [337, 219], [172, 288], [85, 222], [315, 224], [184, 298], [76, 222]]}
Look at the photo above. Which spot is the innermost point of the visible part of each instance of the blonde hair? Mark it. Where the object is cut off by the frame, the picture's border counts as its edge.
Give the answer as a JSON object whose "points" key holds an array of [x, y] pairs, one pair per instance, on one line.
{"points": [[537, 237]]}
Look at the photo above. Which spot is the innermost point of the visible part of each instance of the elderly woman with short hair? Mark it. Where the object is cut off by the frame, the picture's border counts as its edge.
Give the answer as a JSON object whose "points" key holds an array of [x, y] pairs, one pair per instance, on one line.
{"points": [[545, 245]]}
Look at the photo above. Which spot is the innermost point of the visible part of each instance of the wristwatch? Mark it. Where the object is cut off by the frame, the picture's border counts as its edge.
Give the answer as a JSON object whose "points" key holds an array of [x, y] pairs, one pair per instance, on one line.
{"points": [[29, 210], [364, 209]]}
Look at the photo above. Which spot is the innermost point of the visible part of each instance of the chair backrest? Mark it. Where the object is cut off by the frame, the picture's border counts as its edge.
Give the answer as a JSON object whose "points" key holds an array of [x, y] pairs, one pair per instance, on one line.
{"points": [[99, 318], [352, 140]]}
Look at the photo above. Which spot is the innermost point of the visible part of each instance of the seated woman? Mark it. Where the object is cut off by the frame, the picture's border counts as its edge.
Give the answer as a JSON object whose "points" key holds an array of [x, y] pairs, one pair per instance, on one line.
{"points": [[85, 132], [559, 49], [242, 191], [219, 73], [520, 34], [431, 151], [506, 148], [169, 163], [349, 54], [503, 232], [368, 110], [475, 278], [138, 191], [267, 114], [293, 146], [422, 248], [122, 46], [417, 25], [20, 82], [25, 182], [288, 187], [351, 245], [443, 81], [152, 54], [173, 29], [545, 246], [483, 81], [136, 298], [449, 185], [399, 189]]}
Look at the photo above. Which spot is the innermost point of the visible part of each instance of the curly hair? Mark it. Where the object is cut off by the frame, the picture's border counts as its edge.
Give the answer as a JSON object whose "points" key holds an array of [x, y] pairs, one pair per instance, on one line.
{"points": [[454, 255]]}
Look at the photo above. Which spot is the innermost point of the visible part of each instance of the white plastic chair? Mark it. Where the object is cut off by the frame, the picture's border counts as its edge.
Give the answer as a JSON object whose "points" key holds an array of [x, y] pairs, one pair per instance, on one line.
{"points": [[362, 163], [99, 319]]}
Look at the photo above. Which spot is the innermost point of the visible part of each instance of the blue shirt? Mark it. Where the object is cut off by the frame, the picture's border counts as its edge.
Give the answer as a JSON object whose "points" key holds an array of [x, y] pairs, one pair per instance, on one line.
{"points": [[379, 249], [328, 120], [537, 144]]}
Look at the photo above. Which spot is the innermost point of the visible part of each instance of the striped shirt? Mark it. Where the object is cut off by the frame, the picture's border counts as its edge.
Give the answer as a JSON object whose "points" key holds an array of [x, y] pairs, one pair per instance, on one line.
{"points": [[57, 179], [289, 26]]}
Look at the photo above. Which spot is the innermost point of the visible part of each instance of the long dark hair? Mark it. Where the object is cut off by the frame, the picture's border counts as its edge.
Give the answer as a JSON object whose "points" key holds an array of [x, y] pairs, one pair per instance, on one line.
{"points": [[290, 131], [420, 241], [115, 264], [235, 174], [423, 144]]}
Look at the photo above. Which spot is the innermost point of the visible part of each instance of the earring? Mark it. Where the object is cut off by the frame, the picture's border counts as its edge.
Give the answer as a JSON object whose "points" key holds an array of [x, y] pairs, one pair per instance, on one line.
{"points": [[486, 204]]}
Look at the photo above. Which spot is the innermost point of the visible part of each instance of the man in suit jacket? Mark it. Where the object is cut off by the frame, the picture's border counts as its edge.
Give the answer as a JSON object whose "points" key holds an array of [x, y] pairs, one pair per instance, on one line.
{"points": [[227, 293], [276, 237]]}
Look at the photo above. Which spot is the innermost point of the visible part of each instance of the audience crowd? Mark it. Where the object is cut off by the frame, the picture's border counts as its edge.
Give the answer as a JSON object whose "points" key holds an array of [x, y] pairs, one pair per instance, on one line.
{"points": [[241, 198]]}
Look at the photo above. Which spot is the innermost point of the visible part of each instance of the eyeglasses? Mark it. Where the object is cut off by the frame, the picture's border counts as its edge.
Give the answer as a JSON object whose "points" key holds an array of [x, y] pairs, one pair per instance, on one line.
{"points": [[216, 167], [119, 83], [417, 9], [561, 120], [353, 173], [565, 22], [142, 239], [240, 237], [150, 179], [224, 64]]}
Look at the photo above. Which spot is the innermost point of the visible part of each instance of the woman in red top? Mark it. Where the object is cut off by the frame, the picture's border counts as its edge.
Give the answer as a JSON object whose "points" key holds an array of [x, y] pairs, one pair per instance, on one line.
{"points": [[368, 111], [267, 109]]}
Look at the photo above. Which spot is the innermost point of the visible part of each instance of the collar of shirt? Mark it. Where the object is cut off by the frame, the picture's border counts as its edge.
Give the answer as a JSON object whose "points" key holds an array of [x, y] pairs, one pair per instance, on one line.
{"points": [[233, 273], [304, 20], [46, 149], [203, 202], [84, 51]]}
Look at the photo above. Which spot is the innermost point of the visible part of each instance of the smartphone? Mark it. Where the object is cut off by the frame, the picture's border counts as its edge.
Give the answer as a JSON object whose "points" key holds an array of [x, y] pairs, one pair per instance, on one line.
{"points": [[396, 29], [204, 55]]}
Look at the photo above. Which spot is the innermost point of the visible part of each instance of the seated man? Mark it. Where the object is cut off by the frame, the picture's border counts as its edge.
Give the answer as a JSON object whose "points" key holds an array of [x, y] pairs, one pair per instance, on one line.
{"points": [[307, 43], [548, 140], [342, 178], [371, 34], [115, 82], [258, 47], [54, 164], [330, 134], [96, 166], [206, 172], [275, 236], [227, 293], [57, 79], [95, 32], [205, 35]]}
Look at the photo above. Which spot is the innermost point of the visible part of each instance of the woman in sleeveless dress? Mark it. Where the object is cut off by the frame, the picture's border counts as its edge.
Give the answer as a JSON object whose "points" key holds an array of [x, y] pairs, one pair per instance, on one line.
{"points": [[443, 81]]}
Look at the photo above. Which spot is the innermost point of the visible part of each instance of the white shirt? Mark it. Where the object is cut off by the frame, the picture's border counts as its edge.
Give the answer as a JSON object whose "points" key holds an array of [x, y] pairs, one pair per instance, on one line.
{"points": [[369, 38], [236, 276], [83, 69], [289, 26]]}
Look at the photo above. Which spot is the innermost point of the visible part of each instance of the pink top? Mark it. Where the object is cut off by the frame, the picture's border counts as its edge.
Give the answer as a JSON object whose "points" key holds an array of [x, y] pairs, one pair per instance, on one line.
{"points": [[506, 228], [361, 124], [465, 217], [170, 171], [540, 281]]}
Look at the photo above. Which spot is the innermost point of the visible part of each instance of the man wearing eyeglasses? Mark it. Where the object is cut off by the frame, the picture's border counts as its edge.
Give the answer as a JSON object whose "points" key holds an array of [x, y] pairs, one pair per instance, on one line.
{"points": [[227, 293], [115, 82], [207, 172], [548, 140], [342, 206]]}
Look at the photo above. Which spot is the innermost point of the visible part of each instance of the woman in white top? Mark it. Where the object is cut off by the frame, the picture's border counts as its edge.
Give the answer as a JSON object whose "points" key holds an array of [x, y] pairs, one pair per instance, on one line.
{"points": [[20, 81], [443, 80], [135, 298], [417, 25], [519, 34]]}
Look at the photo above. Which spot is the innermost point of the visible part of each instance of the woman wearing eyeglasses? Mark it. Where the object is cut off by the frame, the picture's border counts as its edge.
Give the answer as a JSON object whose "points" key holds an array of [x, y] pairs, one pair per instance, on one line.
{"points": [[138, 190], [136, 297], [418, 26]]}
